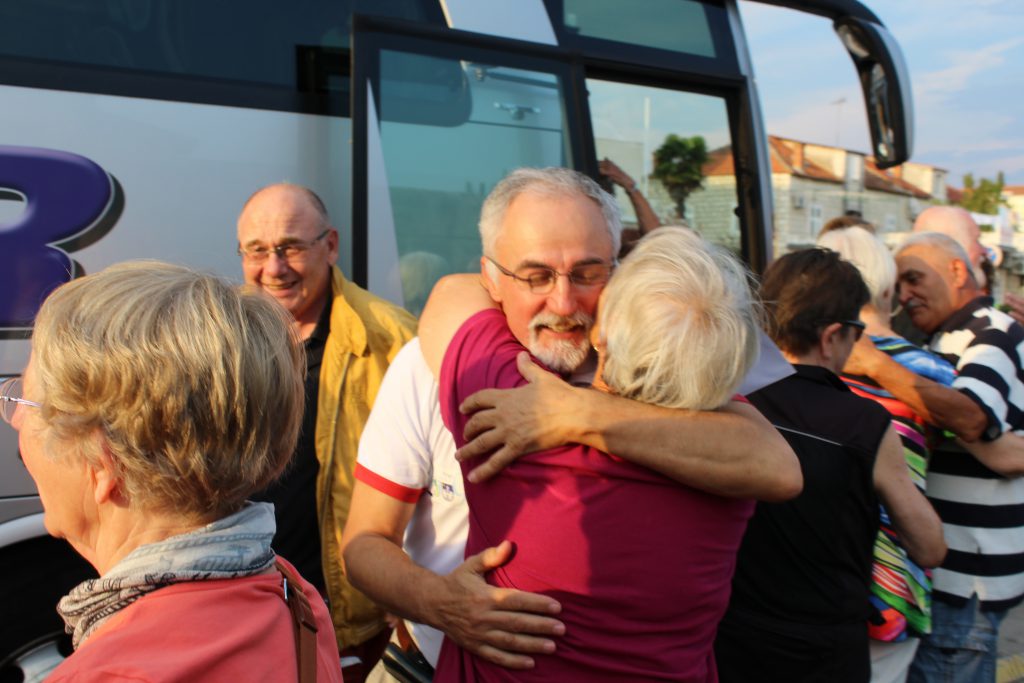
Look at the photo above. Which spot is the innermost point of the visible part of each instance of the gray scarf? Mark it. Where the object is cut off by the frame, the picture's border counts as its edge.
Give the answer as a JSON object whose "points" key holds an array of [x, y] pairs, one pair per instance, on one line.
{"points": [[237, 545]]}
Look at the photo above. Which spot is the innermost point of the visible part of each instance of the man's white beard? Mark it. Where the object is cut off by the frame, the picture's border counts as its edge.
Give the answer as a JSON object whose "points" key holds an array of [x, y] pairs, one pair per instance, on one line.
{"points": [[561, 355]]}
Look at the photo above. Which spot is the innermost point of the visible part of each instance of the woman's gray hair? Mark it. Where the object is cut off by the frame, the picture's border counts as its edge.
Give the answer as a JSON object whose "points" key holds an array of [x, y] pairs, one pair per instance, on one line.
{"points": [[680, 322], [871, 257], [549, 182], [193, 386]]}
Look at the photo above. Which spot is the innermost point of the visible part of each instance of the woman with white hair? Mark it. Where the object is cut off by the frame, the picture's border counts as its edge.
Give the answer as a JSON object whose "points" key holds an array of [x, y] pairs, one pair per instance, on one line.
{"points": [[878, 268], [901, 590], [640, 564], [155, 400]]}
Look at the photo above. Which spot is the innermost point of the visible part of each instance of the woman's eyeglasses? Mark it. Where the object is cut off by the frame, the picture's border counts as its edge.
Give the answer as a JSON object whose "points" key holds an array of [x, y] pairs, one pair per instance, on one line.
{"points": [[10, 397]]}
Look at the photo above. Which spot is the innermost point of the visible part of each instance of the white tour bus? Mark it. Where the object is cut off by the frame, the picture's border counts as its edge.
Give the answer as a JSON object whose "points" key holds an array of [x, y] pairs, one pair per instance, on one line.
{"points": [[136, 129]]}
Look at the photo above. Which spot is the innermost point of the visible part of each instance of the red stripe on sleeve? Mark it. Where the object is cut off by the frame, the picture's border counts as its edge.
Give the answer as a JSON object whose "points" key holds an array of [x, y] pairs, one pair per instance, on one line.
{"points": [[397, 491]]}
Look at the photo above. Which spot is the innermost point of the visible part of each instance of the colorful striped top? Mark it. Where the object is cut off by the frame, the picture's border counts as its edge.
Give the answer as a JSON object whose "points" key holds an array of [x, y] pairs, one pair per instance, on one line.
{"points": [[902, 589]]}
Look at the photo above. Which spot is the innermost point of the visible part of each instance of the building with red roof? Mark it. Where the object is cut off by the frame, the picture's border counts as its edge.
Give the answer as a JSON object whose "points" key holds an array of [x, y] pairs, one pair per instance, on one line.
{"points": [[813, 183]]}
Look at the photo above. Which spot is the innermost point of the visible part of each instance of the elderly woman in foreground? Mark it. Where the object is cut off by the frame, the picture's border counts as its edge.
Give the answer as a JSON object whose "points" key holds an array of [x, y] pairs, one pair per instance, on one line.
{"points": [[155, 400]]}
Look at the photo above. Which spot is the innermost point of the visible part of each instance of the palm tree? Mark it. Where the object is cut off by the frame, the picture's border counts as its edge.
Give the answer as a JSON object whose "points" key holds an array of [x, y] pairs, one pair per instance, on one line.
{"points": [[678, 164]]}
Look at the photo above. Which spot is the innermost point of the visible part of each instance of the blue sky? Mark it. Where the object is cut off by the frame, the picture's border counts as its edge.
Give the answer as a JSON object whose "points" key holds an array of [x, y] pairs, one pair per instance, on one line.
{"points": [[966, 62]]}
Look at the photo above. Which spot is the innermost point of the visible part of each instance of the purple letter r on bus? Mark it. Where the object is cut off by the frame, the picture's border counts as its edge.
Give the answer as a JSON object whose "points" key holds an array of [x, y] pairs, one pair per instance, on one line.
{"points": [[65, 196]]}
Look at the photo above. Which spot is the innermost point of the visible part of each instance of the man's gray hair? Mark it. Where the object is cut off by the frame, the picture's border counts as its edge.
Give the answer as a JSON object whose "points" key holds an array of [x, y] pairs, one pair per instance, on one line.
{"points": [[938, 240], [548, 182]]}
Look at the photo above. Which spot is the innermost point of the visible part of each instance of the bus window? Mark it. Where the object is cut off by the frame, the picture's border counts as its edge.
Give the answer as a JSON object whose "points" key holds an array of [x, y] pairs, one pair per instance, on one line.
{"points": [[180, 49], [676, 25], [631, 122], [442, 160], [687, 35]]}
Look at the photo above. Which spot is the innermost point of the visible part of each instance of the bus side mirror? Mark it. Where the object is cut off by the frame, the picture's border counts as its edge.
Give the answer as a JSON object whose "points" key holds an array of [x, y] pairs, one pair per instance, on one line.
{"points": [[886, 85]]}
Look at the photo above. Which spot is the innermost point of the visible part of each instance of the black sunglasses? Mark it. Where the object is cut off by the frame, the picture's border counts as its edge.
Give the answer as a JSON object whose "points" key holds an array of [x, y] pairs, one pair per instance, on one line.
{"points": [[857, 325]]}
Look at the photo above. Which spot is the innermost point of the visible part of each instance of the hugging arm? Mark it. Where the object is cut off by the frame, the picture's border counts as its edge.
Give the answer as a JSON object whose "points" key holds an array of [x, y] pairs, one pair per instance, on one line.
{"points": [[455, 299], [937, 404], [733, 451]]}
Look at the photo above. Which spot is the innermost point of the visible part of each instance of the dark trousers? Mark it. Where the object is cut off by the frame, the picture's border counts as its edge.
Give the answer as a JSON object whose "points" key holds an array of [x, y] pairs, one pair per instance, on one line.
{"points": [[754, 649]]}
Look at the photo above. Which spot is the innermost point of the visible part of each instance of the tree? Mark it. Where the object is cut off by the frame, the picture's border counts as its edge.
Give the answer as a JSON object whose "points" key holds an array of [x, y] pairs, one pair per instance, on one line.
{"points": [[985, 197], [678, 164]]}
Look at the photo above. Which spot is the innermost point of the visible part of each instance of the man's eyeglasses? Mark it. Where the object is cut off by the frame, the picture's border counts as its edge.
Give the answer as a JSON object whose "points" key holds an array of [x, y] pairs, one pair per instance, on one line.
{"points": [[292, 251], [10, 397], [541, 279], [857, 325]]}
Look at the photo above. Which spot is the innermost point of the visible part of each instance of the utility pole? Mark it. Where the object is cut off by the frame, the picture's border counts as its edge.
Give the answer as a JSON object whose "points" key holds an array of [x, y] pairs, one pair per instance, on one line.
{"points": [[839, 117]]}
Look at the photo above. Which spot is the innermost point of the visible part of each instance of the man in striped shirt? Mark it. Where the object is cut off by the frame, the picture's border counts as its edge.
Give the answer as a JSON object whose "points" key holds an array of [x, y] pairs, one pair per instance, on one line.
{"points": [[981, 505]]}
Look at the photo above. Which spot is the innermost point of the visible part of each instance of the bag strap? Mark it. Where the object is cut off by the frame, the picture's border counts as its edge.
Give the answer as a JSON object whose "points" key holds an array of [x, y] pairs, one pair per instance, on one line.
{"points": [[303, 621]]}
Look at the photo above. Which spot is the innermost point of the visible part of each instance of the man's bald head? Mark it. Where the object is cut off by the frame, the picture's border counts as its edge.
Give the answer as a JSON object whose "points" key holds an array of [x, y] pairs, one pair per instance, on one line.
{"points": [[284, 218], [954, 222]]}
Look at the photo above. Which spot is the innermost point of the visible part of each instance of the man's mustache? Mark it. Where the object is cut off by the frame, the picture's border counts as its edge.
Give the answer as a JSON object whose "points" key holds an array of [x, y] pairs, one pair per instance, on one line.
{"points": [[562, 323]]}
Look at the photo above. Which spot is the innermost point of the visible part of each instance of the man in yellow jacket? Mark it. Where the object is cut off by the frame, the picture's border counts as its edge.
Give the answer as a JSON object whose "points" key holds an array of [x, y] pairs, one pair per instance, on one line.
{"points": [[288, 249]]}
